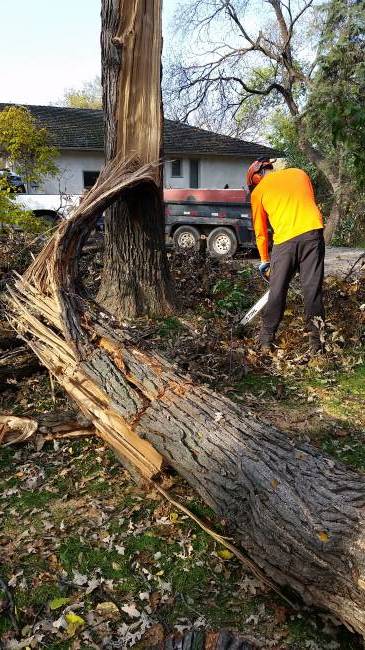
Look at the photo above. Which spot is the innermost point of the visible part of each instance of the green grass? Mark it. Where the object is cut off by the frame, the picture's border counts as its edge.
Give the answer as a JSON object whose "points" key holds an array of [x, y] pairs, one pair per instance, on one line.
{"points": [[257, 384], [349, 449]]}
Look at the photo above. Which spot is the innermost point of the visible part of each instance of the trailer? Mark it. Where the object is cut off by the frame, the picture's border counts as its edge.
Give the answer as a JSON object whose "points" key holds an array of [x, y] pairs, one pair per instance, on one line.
{"points": [[219, 219]]}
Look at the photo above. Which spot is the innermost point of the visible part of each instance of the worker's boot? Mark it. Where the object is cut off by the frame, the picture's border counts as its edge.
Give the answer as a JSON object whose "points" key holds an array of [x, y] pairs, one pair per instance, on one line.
{"points": [[266, 340], [315, 344]]}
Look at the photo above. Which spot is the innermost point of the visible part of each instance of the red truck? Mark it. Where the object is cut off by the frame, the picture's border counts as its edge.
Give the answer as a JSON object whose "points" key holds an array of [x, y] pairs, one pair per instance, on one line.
{"points": [[221, 218]]}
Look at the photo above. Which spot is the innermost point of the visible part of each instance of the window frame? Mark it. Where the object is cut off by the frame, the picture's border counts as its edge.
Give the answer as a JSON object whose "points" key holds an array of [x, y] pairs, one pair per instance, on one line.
{"points": [[197, 162], [175, 160]]}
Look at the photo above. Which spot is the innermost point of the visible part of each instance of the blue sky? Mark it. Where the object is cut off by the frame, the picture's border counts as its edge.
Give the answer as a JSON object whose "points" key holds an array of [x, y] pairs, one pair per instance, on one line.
{"points": [[47, 46]]}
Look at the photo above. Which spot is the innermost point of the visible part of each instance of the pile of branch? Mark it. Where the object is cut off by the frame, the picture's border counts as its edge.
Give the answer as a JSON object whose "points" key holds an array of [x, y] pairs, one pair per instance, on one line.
{"points": [[298, 514]]}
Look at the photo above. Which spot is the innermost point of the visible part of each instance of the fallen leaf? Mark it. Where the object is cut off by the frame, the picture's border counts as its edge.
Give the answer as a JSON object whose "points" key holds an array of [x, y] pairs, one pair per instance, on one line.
{"points": [[144, 595], [108, 610], [119, 549], [57, 603], [323, 536], [74, 621], [79, 579], [154, 636], [225, 554], [131, 610]]}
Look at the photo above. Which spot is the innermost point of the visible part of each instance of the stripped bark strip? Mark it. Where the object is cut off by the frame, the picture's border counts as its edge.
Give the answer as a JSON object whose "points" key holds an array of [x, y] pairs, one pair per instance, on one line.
{"points": [[225, 542]]}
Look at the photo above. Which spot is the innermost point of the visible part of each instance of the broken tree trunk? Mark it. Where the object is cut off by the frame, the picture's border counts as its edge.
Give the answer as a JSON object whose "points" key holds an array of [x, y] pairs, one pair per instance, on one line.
{"points": [[297, 513], [136, 278]]}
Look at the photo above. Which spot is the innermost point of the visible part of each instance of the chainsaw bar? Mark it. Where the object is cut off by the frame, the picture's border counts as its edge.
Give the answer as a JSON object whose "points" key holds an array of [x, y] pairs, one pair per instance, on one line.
{"points": [[258, 306]]}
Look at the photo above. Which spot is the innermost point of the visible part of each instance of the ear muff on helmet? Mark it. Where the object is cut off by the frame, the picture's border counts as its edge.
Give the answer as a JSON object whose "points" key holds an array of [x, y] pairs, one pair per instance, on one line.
{"points": [[256, 178], [256, 170]]}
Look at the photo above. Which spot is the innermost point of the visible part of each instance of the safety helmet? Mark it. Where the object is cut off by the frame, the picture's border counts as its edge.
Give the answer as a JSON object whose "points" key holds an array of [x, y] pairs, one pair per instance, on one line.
{"points": [[256, 170]]}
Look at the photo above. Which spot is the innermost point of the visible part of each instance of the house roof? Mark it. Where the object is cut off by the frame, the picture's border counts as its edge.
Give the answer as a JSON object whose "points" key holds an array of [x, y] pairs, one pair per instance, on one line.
{"points": [[76, 128]]}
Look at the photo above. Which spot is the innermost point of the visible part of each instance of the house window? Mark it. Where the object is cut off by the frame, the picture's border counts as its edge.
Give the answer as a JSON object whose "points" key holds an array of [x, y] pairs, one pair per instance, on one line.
{"points": [[90, 179], [176, 168], [194, 172]]}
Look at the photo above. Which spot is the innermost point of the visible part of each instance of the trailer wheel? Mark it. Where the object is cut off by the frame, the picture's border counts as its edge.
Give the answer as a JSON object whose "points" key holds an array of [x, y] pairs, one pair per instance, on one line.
{"points": [[222, 243], [186, 239]]}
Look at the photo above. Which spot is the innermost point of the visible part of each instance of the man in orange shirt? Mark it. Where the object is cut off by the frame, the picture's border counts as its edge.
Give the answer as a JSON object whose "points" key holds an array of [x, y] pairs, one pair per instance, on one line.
{"points": [[285, 200]]}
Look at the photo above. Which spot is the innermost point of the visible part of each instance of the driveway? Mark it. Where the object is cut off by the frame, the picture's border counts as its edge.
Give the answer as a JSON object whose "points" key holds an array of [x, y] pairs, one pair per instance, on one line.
{"points": [[338, 261]]}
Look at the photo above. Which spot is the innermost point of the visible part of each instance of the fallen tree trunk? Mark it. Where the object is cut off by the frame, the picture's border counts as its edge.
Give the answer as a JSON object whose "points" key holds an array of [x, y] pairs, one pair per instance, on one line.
{"points": [[297, 513]]}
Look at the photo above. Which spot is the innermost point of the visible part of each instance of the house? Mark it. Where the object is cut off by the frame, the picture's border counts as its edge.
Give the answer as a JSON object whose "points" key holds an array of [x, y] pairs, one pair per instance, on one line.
{"points": [[193, 157]]}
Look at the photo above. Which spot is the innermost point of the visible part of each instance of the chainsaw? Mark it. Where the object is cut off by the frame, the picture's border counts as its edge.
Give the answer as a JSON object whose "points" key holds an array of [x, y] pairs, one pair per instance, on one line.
{"points": [[259, 305]]}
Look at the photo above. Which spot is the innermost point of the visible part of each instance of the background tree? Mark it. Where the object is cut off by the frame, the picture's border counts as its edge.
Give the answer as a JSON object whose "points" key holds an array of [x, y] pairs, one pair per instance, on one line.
{"points": [[25, 146], [89, 96], [338, 90], [136, 278], [12, 214], [334, 119], [251, 66]]}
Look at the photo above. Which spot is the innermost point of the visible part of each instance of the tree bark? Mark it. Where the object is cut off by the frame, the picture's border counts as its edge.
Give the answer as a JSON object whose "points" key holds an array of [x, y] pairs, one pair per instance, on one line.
{"points": [[136, 278]]}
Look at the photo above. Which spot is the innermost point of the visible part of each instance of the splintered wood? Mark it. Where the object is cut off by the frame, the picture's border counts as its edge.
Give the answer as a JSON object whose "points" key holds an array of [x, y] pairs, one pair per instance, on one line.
{"points": [[38, 318]]}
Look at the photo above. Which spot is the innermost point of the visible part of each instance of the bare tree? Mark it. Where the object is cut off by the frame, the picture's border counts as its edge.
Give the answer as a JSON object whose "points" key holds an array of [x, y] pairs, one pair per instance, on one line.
{"points": [[255, 55]]}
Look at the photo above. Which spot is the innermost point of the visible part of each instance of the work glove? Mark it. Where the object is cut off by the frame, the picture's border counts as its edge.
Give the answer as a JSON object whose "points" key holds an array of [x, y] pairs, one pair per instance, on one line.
{"points": [[264, 269]]}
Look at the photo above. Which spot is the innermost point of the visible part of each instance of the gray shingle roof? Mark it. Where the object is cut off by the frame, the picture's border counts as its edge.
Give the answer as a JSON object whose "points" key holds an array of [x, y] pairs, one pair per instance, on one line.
{"points": [[76, 128]]}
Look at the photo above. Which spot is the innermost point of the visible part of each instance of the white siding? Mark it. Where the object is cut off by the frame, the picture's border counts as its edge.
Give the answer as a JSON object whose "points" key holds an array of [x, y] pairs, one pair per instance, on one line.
{"points": [[71, 164], [215, 172], [174, 181]]}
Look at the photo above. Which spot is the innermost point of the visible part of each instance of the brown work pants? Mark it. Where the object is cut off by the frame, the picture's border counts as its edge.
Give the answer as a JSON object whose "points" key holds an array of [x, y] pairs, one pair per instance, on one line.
{"points": [[303, 254]]}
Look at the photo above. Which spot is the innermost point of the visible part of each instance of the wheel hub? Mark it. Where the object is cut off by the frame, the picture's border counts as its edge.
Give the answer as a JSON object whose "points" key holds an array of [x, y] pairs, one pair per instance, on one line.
{"points": [[222, 244], [186, 240]]}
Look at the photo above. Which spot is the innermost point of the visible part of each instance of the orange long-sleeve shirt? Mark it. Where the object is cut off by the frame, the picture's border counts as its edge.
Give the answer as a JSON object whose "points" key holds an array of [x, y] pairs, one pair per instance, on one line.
{"points": [[285, 199]]}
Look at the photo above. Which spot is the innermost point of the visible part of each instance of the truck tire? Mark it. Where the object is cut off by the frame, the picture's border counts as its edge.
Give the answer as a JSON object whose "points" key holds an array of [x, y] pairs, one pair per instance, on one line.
{"points": [[221, 243], [186, 239]]}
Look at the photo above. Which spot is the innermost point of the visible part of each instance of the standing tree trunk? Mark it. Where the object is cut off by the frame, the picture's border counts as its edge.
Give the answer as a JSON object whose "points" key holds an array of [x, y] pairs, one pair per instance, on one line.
{"points": [[332, 177], [135, 278]]}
